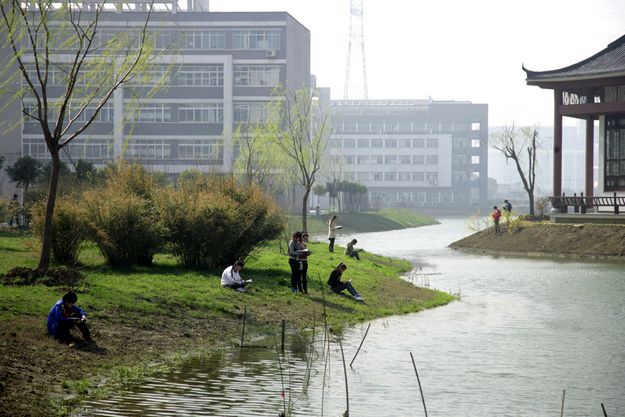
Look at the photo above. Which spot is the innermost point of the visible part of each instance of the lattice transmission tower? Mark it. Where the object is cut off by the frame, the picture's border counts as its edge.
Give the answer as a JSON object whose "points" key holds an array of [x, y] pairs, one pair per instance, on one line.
{"points": [[356, 40]]}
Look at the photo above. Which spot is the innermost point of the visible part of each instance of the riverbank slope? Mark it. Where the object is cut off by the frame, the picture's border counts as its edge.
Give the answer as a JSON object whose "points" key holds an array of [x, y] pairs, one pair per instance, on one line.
{"points": [[155, 315], [599, 241]]}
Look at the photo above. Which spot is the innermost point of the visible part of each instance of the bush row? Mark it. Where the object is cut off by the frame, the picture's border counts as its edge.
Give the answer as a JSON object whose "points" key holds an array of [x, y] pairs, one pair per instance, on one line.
{"points": [[204, 222]]}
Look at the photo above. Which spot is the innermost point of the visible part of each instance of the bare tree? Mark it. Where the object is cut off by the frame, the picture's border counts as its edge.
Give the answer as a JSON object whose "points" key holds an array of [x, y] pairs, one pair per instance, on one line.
{"points": [[257, 158], [520, 145], [39, 33], [300, 131]]}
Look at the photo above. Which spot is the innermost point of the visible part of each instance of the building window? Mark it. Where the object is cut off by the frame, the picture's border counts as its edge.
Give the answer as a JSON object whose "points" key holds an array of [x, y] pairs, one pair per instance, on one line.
{"points": [[152, 75], [209, 149], [377, 159], [250, 112], [256, 76], [404, 159], [335, 143], [475, 126], [377, 143], [147, 149], [418, 176], [431, 178], [105, 115], [390, 160], [200, 76], [149, 113], [349, 143], [432, 143], [418, 159], [363, 159], [349, 159], [201, 113], [418, 143], [404, 143], [475, 159], [363, 143], [391, 143], [404, 176], [202, 39], [390, 176], [475, 176], [615, 154], [256, 39], [431, 160], [363, 176], [378, 176], [377, 127], [475, 143]]}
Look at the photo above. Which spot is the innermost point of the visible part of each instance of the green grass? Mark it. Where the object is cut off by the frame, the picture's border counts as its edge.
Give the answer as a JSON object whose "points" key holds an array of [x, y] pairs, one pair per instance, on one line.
{"points": [[384, 219], [168, 289]]}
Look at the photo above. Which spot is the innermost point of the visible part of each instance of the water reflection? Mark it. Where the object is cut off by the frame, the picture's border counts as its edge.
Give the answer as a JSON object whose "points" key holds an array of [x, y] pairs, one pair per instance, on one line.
{"points": [[524, 330]]}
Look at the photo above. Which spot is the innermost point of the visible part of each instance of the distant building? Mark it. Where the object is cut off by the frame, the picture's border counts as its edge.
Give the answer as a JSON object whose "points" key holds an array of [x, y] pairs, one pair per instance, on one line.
{"points": [[220, 72], [413, 153]]}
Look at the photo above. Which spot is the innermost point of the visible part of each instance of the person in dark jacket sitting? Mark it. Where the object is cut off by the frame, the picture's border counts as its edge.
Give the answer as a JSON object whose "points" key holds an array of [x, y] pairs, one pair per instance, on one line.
{"points": [[64, 316], [351, 251], [337, 285]]}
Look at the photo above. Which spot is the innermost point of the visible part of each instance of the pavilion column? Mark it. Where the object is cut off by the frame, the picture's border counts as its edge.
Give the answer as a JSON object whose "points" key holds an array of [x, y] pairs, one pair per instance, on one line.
{"points": [[590, 148], [557, 144]]}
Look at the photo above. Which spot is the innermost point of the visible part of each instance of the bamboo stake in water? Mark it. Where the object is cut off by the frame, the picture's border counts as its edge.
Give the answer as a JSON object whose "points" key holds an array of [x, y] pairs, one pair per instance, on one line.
{"points": [[244, 318], [361, 342], [604, 413], [281, 375], [562, 407], [282, 339], [419, 381], [345, 373]]}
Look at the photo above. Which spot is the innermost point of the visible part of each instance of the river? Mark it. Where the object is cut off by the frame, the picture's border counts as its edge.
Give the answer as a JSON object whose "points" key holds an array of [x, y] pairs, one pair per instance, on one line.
{"points": [[522, 331]]}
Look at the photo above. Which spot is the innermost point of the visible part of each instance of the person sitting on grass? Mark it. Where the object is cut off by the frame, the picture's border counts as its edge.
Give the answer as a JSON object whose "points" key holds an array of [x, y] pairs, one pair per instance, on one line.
{"points": [[230, 278], [337, 285], [351, 251], [64, 316]]}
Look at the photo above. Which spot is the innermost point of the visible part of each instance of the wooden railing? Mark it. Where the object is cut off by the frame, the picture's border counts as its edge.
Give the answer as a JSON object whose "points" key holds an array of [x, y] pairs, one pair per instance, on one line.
{"points": [[581, 203]]}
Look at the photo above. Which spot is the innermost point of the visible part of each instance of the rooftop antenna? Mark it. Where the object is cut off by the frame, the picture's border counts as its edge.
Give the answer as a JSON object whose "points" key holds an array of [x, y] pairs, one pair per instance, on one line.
{"points": [[356, 39]]}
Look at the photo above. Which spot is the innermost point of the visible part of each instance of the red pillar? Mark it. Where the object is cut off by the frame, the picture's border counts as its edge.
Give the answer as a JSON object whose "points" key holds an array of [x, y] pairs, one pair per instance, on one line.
{"points": [[590, 148], [557, 144]]}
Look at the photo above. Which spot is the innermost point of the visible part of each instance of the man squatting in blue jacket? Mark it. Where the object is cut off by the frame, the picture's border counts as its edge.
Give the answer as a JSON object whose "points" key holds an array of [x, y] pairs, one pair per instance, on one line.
{"points": [[64, 315]]}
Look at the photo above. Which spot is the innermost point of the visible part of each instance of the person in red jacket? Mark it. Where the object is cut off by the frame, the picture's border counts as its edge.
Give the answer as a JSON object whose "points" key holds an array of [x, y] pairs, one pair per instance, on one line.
{"points": [[496, 215]]}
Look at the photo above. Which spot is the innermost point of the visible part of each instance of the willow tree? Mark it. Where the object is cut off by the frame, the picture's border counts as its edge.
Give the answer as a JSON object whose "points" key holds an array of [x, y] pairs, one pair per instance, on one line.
{"points": [[520, 146], [299, 131], [63, 69]]}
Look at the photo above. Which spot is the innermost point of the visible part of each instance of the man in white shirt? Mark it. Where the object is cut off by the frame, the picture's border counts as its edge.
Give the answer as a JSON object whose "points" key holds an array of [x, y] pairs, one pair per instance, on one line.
{"points": [[230, 278]]}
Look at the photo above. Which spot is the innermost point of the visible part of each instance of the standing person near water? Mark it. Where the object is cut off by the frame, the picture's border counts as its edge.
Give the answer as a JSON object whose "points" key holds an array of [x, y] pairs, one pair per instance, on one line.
{"points": [[303, 259], [332, 232], [496, 215], [295, 250]]}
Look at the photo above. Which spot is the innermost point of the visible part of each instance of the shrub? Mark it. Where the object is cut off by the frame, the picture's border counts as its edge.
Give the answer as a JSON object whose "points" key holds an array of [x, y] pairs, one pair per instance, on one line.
{"points": [[218, 222], [54, 277], [69, 231], [123, 225], [131, 179]]}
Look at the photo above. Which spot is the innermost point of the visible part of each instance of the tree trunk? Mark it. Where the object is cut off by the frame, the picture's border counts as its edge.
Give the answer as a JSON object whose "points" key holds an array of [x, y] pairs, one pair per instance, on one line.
{"points": [[531, 199], [44, 259], [305, 210]]}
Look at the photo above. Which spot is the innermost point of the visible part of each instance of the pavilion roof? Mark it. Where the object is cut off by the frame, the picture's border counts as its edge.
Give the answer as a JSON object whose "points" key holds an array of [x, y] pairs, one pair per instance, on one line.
{"points": [[609, 62]]}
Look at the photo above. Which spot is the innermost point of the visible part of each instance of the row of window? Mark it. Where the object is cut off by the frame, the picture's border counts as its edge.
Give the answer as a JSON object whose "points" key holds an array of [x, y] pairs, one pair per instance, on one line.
{"points": [[405, 127], [174, 40], [390, 159], [143, 149], [423, 177], [188, 75], [385, 143], [105, 115]]}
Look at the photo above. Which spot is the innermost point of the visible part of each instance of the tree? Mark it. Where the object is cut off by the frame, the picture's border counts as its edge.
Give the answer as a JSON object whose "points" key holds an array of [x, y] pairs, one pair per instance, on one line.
{"points": [[520, 145], [257, 158], [299, 130], [96, 67], [24, 172]]}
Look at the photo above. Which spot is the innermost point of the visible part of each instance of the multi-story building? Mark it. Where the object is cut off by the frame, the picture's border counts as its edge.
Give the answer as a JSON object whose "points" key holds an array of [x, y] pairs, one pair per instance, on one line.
{"points": [[218, 70], [413, 153]]}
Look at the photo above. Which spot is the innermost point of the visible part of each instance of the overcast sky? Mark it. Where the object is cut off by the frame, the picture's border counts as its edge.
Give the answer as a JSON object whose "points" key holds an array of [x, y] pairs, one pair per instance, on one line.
{"points": [[453, 49]]}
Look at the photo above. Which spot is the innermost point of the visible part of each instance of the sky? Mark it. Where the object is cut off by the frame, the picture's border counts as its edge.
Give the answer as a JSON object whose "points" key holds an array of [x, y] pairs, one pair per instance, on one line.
{"points": [[453, 49]]}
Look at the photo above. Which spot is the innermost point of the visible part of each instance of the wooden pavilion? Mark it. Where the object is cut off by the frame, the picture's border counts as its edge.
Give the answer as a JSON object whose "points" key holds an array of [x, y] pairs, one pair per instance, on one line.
{"points": [[592, 89]]}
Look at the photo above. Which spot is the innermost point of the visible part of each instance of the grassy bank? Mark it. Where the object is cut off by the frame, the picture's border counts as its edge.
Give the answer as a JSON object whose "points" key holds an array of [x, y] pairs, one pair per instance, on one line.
{"points": [[148, 315], [384, 219]]}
